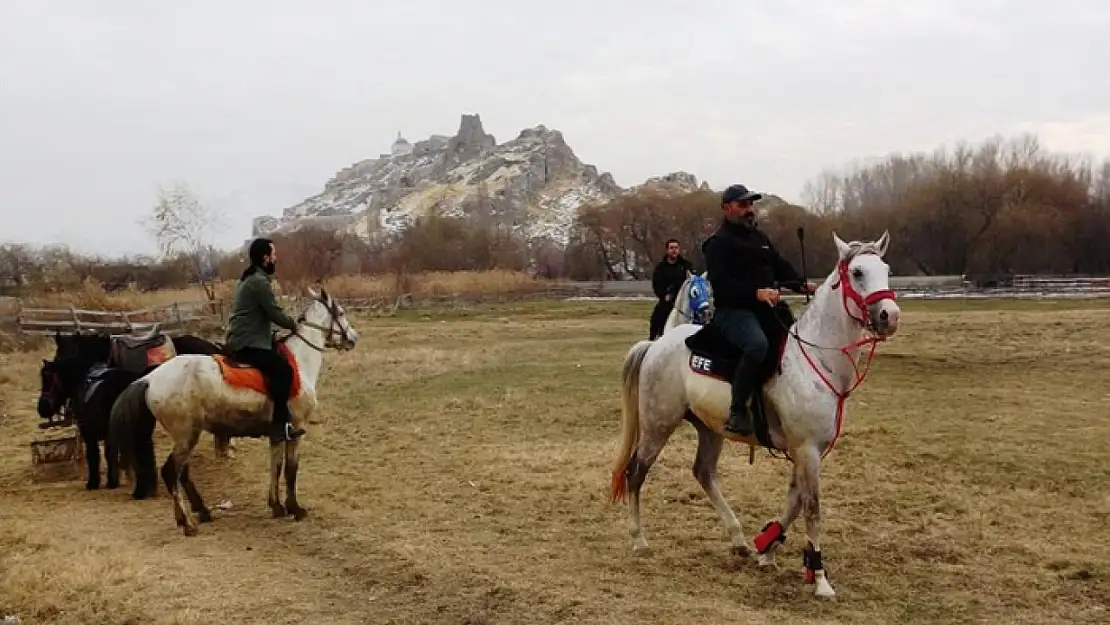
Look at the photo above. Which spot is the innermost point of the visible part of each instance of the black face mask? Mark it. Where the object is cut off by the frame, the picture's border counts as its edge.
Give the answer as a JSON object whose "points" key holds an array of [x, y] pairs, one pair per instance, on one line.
{"points": [[269, 268]]}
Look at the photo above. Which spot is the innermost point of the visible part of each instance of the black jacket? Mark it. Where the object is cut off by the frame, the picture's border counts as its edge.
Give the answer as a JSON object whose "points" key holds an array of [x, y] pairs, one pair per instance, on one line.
{"points": [[741, 259], [668, 277]]}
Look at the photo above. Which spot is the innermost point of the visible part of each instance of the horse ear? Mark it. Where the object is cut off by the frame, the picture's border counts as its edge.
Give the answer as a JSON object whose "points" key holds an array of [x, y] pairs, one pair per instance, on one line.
{"points": [[324, 294], [312, 293], [843, 249], [883, 243]]}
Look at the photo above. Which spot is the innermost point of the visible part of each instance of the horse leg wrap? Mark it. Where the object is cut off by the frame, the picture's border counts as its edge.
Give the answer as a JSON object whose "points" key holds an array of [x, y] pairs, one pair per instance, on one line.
{"points": [[771, 533], [811, 561]]}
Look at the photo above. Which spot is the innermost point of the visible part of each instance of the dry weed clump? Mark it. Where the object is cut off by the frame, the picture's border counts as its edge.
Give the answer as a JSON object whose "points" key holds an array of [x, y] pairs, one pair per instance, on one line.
{"points": [[494, 284], [92, 296], [436, 284]]}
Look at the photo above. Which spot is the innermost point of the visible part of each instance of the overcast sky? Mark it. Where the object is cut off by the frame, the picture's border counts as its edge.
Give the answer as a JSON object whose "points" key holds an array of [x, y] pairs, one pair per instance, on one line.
{"points": [[257, 103]]}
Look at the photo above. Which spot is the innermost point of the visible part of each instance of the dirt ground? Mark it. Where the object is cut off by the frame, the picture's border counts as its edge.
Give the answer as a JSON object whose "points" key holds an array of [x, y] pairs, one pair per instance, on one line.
{"points": [[457, 472]]}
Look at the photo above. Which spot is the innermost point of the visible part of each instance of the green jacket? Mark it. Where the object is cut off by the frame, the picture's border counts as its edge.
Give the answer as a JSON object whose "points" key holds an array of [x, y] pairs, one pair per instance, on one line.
{"points": [[252, 312]]}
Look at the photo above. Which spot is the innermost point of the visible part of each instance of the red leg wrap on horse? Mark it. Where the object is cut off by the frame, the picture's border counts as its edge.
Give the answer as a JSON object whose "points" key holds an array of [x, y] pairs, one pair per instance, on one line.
{"points": [[771, 533]]}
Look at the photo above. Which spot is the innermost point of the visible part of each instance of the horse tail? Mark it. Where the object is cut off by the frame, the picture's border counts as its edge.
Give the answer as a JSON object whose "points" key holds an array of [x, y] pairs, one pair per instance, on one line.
{"points": [[131, 430], [630, 417]]}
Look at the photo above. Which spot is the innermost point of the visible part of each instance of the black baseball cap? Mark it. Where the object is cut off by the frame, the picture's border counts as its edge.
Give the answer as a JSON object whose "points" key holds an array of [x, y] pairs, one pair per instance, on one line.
{"points": [[739, 193]]}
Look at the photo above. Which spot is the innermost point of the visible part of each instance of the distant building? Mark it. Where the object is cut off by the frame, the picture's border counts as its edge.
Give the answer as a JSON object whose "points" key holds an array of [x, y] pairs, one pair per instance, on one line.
{"points": [[401, 146]]}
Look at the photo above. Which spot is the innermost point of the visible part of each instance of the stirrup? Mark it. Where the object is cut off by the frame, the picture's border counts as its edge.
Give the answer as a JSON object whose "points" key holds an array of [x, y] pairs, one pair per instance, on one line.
{"points": [[290, 433], [742, 423]]}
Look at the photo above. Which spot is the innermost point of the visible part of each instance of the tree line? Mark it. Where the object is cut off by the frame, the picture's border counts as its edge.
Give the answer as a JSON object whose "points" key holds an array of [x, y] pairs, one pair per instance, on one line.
{"points": [[1000, 207]]}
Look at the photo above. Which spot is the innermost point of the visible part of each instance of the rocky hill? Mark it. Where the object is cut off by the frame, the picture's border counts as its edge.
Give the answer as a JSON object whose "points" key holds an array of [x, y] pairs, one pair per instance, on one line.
{"points": [[533, 183]]}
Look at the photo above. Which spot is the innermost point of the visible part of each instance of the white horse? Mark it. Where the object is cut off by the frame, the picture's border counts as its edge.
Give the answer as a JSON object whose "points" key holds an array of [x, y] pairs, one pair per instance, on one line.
{"points": [[664, 382], [692, 303], [192, 393]]}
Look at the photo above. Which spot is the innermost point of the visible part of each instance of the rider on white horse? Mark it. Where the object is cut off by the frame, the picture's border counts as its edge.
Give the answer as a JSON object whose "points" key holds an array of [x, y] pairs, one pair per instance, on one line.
{"points": [[250, 338], [744, 268]]}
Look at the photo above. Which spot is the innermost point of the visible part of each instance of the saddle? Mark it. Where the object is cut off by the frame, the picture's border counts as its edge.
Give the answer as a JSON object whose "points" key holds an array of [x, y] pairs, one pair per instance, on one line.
{"points": [[142, 352], [97, 374], [242, 375], [713, 356]]}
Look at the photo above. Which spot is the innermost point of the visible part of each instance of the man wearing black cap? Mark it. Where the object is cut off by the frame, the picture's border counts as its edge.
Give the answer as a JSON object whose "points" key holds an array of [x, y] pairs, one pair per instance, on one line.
{"points": [[744, 268]]}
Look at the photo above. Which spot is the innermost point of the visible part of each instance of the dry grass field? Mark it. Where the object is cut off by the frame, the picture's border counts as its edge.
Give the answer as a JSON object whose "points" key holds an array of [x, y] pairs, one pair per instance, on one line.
{"points": [[457, 472]]}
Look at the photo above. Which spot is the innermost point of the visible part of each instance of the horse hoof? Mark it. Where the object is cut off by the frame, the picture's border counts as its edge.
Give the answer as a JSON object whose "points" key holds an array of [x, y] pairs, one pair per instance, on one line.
{"points": [[113, 485], [204, 516], [299, 514], [767, 560], [278, 511], [641, 550], [92, 485], [824, 590], [741, 551], [189, 530]]}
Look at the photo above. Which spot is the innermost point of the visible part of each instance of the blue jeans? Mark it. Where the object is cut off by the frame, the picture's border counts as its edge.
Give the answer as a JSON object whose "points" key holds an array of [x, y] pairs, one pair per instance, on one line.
{"points": [[741, 328]]}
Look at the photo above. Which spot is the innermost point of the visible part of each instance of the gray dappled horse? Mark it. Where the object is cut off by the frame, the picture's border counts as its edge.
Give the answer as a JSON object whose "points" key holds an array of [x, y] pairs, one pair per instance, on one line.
{"points": [[685, 373]]}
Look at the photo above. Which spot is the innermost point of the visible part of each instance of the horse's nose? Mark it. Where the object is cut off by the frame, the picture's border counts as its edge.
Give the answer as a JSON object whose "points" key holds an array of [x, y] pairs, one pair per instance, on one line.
{"points": [[888, 320]]}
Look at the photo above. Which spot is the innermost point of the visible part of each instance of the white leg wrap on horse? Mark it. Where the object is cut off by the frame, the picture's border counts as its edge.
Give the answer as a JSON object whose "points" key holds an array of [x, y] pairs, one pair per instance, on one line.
{"points": [[824, 589]]}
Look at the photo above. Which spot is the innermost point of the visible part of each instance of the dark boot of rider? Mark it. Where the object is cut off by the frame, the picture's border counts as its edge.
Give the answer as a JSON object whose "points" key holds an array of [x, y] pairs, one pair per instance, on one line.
{"points": [[740, 417], [282, 426]]}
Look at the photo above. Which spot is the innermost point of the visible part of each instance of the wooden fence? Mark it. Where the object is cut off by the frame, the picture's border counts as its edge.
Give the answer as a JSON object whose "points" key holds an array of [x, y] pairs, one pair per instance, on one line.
{"points": [[171, 318]]}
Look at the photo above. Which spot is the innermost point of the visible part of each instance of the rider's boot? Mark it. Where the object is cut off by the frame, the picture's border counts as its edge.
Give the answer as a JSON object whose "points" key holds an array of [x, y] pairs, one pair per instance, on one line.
{"points": [[282, 426], [739, 416]]}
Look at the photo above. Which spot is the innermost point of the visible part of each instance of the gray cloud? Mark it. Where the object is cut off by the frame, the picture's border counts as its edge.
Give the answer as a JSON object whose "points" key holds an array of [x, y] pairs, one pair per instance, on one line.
{"points": [[100, 101]]}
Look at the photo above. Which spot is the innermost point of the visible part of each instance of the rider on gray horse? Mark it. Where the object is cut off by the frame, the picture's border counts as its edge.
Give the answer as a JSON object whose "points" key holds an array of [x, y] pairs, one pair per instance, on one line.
{"points": [[744, 268]]}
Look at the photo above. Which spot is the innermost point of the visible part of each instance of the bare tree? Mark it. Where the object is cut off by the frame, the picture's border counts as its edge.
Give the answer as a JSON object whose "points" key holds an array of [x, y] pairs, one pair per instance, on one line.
{"points": [[184, 225], [17, 263]]}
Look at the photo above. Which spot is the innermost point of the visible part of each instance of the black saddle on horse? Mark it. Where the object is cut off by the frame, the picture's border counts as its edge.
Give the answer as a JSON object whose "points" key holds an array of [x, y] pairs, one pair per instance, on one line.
{"points": [[713, 356]]}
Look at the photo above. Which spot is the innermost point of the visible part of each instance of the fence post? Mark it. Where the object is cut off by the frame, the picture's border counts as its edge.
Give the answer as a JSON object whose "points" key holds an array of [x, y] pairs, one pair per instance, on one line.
{"points": [[76, 320]]}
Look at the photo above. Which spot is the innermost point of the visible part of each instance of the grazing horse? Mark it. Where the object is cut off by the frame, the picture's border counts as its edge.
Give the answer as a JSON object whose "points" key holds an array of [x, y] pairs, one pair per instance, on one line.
{"points": [[190, 394], [82, 377], [692, 304], [799, 407]]}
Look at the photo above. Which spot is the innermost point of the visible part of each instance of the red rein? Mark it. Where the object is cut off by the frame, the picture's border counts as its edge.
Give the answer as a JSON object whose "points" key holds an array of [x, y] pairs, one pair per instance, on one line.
{"points": [[862, 303]]}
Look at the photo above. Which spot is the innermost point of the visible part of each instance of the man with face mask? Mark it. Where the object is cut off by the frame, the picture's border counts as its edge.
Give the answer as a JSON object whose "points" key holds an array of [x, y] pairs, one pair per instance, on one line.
{"points": [[744, 268], [250, 339]]}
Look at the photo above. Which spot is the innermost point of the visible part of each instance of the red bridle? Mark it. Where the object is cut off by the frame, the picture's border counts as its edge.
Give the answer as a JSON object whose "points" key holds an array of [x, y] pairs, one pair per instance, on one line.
{"points": [[849, 292], [863, 303]]}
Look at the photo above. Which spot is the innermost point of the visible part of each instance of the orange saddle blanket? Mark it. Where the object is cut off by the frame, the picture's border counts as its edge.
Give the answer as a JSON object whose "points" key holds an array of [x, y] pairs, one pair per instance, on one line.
{"points": [[245, 376]]}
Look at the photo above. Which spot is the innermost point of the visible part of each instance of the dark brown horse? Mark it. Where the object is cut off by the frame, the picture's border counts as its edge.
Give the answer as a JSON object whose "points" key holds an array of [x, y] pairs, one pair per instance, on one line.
{"points": [[80, 378]]}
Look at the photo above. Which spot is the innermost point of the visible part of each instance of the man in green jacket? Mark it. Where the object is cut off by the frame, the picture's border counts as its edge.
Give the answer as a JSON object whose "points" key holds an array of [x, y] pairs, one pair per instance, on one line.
{"points": [[250, 337]]}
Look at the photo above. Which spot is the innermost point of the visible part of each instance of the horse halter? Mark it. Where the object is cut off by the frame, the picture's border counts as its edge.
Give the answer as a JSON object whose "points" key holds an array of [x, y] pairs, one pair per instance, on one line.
{"points": [[52, 386], [330, 331], [849, 293]]}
